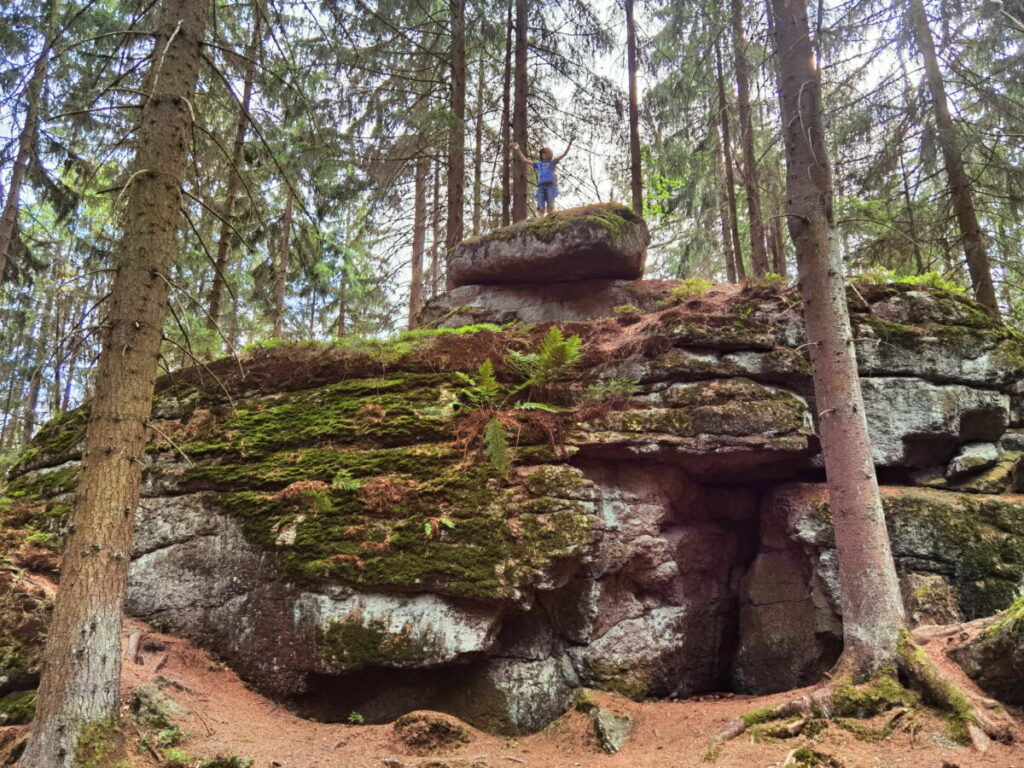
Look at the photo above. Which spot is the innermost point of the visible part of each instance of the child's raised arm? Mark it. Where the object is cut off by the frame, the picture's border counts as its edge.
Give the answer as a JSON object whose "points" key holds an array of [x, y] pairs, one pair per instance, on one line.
{"points": [[567, 148], [518, 151]]}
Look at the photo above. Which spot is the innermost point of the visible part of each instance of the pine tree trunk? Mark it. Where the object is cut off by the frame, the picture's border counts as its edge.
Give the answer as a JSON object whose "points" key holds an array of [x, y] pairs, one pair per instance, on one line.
{"points": [[635, 161], [281, 283], [506, 128], [911, 220], [723, 210], [35, 381], [15, 381], [454, 228], [730, 175], [419, 238], [776, 236], [520, 209], [478, 150], [81, 678], [758, 254], [871, 606], [26, 144], [959, 183], [435, 236], [234, 178]]}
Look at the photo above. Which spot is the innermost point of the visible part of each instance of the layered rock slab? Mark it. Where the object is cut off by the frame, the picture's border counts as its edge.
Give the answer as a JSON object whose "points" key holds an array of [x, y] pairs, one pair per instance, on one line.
{"points": [[594, 242], [332, 542], [574, 301], [958, 555]]}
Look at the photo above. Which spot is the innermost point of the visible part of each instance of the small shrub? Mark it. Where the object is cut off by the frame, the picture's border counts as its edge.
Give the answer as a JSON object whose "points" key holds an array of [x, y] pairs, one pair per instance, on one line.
{"points": [[344, 481], [768, 280], [169, 737], [627, 310], [176, 758], [932, 280], [689, 289], [42, 539], [355, 718]]}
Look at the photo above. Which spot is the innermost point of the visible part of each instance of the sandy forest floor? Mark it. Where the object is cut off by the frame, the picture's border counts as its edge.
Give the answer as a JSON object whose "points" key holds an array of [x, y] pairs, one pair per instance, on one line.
{"points": [[226, 717]]}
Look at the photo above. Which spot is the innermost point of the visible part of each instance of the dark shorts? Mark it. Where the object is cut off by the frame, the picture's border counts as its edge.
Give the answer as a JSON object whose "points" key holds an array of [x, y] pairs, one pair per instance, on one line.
{"points": [[546, 194]]}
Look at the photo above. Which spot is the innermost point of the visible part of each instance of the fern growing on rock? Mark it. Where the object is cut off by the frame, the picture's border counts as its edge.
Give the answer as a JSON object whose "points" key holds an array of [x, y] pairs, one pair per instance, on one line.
{"points": [[554, 356]]}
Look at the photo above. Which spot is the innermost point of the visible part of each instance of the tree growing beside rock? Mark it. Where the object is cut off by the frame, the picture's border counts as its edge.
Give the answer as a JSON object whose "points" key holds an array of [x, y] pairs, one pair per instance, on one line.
{"points": [[79, 691], [876, 640]]}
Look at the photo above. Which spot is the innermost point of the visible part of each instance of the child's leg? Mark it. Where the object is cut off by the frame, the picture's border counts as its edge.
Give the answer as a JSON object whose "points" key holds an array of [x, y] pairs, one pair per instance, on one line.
{"points": [[552, 194], [541, 202]]}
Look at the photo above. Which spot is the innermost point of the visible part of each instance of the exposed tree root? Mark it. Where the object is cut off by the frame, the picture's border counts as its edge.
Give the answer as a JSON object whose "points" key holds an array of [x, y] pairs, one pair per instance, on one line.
{"points": [[973, 719], [927, 632]]}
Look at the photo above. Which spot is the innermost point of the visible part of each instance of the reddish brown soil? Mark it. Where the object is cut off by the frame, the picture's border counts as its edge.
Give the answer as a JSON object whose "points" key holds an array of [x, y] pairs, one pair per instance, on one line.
{"points": [[228, 718]]}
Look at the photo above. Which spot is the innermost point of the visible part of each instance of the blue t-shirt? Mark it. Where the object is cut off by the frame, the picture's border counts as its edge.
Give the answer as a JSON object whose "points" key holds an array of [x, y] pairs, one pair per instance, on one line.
{"points": [[545, 171]]}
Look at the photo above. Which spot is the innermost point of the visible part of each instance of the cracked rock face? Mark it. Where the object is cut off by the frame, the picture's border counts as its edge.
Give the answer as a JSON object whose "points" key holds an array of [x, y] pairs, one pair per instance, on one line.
{"points": [[338, 536], [958, 555]]}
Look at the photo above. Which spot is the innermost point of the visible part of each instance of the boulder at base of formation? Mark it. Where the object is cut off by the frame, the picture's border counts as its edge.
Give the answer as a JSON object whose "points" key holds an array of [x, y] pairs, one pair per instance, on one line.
{"points": [[605, 241]]}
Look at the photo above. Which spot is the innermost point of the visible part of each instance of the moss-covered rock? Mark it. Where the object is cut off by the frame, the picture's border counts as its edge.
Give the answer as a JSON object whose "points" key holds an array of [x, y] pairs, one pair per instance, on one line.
{"points": [[975, 542], [24, 615], [604, 241], [994, 659]]}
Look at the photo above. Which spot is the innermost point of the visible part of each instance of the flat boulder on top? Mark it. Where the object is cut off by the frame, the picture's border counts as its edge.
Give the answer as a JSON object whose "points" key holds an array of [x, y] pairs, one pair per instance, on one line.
{"points": [[604, 241]]}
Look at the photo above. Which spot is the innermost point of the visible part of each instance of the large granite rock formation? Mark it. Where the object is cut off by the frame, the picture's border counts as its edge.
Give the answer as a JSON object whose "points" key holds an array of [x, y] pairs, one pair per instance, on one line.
{"points": [[594, 242], [337, 536], [576, 264]]}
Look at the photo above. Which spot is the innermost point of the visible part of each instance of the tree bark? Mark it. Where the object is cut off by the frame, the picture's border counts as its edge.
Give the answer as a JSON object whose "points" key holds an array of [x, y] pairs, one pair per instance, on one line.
{"points": [[959, 183], [722, 207], [454, 228], [35, 381], [281, 283], [419, 238], [730, 175], [636, 182], [478, 150], [776, 236], [520, 209], [506, 127], [758, 254], [435, 236], [234, 178], [26, 143], [81, 678], [871, 605]]}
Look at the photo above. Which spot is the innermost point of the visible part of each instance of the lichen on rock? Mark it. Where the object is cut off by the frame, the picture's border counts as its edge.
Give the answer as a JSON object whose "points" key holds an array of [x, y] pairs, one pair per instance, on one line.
{"points": [[329, 522]]}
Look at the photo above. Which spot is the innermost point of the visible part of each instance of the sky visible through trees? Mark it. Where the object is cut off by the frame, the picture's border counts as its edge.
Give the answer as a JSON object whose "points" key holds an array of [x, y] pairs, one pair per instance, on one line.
{"points": [[303, 228]]}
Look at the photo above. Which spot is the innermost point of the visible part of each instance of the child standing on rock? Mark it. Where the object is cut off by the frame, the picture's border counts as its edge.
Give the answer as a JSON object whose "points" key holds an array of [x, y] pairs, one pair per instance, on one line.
{"points": [[547, 185]]}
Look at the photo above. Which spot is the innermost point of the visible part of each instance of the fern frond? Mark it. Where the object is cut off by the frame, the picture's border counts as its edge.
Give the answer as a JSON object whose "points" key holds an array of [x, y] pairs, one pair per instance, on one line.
{"points": [[557, 354], [531, 406], [523, 363], [496, 446]]}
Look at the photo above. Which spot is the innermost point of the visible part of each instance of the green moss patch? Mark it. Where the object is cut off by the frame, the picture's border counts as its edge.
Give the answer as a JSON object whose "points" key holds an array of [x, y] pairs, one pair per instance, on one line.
{"points": [[98, 744], [977, 540], [754, 717], [350, 645], [873, 698], [399, 410], [17, 708], [422, 520], [613, 218]]}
